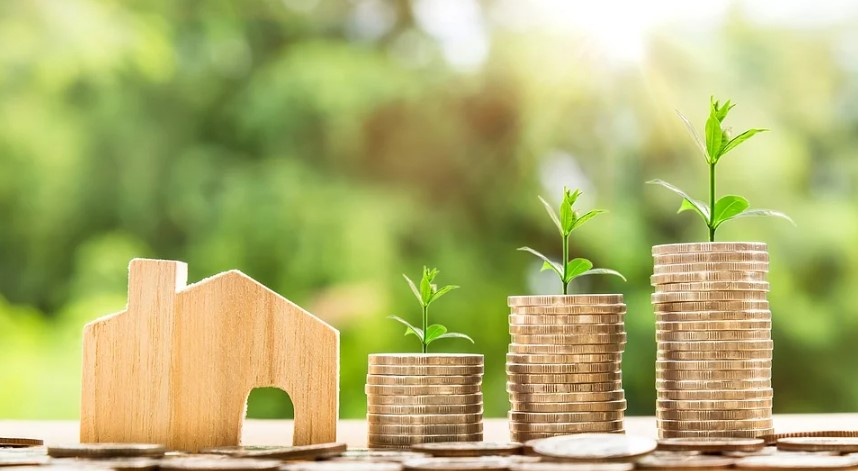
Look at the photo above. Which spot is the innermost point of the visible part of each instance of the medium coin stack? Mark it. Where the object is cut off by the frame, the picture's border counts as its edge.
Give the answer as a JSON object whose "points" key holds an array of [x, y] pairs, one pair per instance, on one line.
{"points": [[563, 365], [422, 398], [713, 331]]}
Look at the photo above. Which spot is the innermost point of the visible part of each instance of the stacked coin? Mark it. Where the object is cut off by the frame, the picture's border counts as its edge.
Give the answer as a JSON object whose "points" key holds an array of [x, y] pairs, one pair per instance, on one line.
{"points": [[713, 330], [563, 365], [422, 398]]}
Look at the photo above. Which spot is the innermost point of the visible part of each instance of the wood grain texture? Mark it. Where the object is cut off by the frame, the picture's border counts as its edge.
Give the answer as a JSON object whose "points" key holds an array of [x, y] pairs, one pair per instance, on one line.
{"points": [[176, 367]]}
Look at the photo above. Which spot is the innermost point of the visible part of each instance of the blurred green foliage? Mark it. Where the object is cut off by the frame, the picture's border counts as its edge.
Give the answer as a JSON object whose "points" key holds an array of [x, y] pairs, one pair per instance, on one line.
{"points": [[326, 147]]}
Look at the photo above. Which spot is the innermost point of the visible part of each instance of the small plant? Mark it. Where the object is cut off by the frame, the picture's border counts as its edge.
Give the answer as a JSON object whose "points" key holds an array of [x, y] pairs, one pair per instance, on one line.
{"points": [[426, 295], [718, 143], [568, 221]]}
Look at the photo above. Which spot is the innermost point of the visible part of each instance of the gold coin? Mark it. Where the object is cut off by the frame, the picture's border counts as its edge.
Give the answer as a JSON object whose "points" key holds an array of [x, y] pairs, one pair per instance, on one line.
{"points": [[384, 390], [427, 409], [427, 370], [563, 319], [713, 286], [690, 296], [711, 445], [694, 306], [563, 378], [713, 325], [713, 266], [16, 442], [616, 395], [565, 300], [481, 463], [697, 415], [300, 452], [423, 380], [564, 388], [708, 276], [557, 407], [426, 399], [567, 368], [565, 417], [702, 385], [423, 419], [719, 395], [715, 316], [713, 365], [708, 345], [709, 247], [567, 428], [772, 438], [714, 355], [195, 463], [565, 466], [759, 373], [106, 450], [572, 329], [547, 359], [710, 257], [836, 444], [450, 359], [592, 447], [566, 349], [712, 335], [591, 310], [456, 449], [662, 434], [748, 424], [425, 429], [665, 461], [370, 457], [714, 404], [379, 441], [795, 461], [571, 339]]}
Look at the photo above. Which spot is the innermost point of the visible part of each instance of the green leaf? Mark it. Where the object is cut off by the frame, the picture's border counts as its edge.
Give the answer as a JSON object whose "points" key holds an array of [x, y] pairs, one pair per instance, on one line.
{"points": [[728, 146], [686, 206], [721, 111], [700, 207], [567, 213], [714, 137], [456, 335], [547, 263], [728, 207], [409, 329], [441, 292], [765, 212], [586, 217], [576, 267], [433, 332], [426, 288], [603, 271], [552, 214], [413, 289], [694, 135]]}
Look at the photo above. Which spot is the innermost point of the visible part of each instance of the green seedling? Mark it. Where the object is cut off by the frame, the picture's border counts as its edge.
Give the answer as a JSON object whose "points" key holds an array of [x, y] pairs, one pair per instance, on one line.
{"points": [[718, 143], [566, 222], [426, 294]]}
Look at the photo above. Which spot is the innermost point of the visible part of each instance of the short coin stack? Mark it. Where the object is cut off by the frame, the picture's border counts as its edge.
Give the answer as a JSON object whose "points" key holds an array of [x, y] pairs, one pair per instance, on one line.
{"points": [[422, 398], [713, 330], [563, 365]]}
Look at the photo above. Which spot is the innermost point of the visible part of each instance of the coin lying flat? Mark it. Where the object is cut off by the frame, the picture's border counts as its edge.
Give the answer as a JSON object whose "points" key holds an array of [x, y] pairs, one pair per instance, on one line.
{"points": [[221, 464], [106, 450], [426, 399], [681, 461], [563, 359], [566, 349], [565, 417], [566, 427], [727, 414], [711, 445], [422, 390], [757, 373], [564, 319], [703, 405], [23, 460], [428, 409], [796, 462], [116, 464], [17, 442], [568, 329], [595, 446], [461, 359], [468, 449], [564, 387], [568, 466], [393, 456], [565, 300], [563, 378], [570, 407], [838, 444], [426, 370], [567, 397], [748, 424], [592, 309], [484, 463], [709, 247], [423, 380], [715, 316], [561, 368], [714, 286], [342, 466], [773, 438], [708, 277], [424, 419], [278, 452]]}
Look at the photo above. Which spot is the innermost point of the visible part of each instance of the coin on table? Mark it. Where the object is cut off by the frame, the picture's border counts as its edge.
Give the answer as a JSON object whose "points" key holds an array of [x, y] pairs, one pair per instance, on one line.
{"points": [[567, 417], [712, 335], [715, 316], [567, 466], [703, 405], [447, 389], [566, 428], [116, 464], [570, 339], [707, 296], [423, 419], [838, 444], [563, 378], [563, 359], [705, 345], [426, 370], [711, 445], [564, 319], [562, 368], [342, 466], [727, 414], [591, 310], [568, 329], [796, 462], [461, 359], [711, 266], [595, 446], [468, 449], [712, 325], [567, 397], [23, 460], [483, 463], [713, 355], [694, 306], [17, 442], [722, 395], [749, 424], [558, 407], [376, 440], [278, 452], [664, 279], [565, 300], [756, 373], [426, 429], [773, 438], [106, 450], [683, 461], [564, 388], [566, 349], [426, 399], [221, 464], [692, 247], [429, 409], [710, 257], [713, 286], [723, 365], [701, 385], [392, 456], [423, 380]]}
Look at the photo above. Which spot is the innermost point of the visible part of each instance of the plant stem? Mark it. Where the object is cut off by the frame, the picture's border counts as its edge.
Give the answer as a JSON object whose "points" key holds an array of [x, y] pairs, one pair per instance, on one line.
{"points": [[712, 202], [563, 261], [425, 322]]}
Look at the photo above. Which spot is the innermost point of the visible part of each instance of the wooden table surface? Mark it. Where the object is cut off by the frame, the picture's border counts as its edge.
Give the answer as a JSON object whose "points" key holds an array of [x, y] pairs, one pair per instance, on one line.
{"points": [[353, 431]]}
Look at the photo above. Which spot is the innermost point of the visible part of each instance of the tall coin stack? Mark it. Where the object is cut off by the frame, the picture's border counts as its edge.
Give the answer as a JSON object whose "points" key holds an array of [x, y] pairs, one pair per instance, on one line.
{"points": [[563, 365], [713, 330], [421, 398]]}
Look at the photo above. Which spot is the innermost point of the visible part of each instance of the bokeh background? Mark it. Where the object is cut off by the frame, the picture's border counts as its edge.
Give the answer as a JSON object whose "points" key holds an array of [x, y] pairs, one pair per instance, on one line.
{"points": [[325, 147]]}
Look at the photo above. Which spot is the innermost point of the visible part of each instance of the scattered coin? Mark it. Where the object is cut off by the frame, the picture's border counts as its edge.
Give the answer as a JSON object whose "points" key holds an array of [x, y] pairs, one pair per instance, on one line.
{"points": [[23, 460], [462, 359], [484, 463], [278, 452], [222, 464], [838, 444], [595, 446], [468, 449], [709, 247], [796, 462], [106, 450], [771, 439], [680, 461], [16, 442], [342, 466], [424, 419], [116, 464], [393, 456], [423, 380], [711, 445], [565, 300], [567, 466]]}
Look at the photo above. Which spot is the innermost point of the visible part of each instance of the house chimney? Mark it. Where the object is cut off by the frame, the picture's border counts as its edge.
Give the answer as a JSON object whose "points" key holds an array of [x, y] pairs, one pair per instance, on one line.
{"points": [[152, 284]]}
